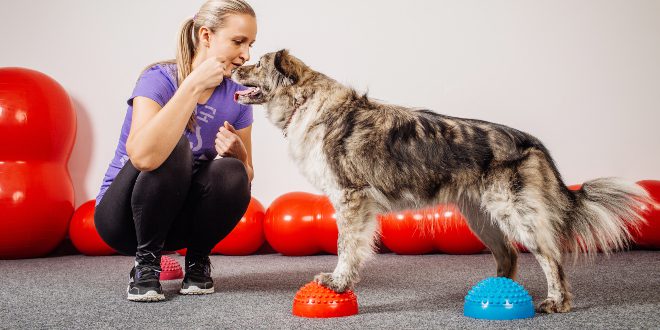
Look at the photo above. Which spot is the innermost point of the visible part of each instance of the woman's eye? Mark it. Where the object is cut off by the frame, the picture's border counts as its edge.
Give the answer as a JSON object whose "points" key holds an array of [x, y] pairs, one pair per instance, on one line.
{"points": [[238, 42]]}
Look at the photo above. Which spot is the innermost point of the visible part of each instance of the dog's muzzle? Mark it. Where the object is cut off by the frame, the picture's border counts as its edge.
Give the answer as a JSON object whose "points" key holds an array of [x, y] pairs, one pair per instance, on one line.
{"points": [[250, 92]]}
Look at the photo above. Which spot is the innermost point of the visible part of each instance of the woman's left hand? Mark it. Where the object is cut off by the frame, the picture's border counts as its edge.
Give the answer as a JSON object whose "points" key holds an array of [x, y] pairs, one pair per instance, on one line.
{"points": [[229, 144]]}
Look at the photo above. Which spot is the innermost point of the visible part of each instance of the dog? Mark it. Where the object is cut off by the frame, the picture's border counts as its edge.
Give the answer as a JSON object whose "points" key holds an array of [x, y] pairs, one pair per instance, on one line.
{"points": [[369, 157]]}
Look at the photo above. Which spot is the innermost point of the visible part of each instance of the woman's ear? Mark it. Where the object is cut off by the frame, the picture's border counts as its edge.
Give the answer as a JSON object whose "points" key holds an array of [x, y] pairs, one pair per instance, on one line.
{"points": [[287, 66], [204, 35]]}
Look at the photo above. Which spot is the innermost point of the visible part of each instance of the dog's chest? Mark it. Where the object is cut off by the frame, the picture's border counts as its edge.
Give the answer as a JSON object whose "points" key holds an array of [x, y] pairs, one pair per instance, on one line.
{"points": [[306, 149], [313, 164]]}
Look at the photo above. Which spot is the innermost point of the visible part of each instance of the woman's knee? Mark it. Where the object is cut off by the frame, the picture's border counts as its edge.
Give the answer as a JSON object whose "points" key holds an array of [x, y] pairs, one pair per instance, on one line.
{"points": [[180, 159], [173, 175], [228, 177], [114, 232]]}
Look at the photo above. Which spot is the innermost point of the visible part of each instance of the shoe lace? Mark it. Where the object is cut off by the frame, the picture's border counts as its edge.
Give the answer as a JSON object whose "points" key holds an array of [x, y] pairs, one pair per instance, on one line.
{"points": [[200, 266], [147, 272], [148, 267]]}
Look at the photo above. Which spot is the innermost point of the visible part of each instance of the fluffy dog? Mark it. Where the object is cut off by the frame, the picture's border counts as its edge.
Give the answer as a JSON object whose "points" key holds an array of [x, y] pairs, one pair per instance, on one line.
{"points": [[369, 157]]}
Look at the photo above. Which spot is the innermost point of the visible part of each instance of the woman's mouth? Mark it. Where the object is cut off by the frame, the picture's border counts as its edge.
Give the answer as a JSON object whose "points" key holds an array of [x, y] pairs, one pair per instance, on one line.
{"points": [[234, 66]]}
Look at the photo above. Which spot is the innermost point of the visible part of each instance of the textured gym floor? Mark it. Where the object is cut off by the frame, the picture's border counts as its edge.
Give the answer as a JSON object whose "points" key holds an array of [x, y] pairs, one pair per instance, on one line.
{"points": [[75, 291]]}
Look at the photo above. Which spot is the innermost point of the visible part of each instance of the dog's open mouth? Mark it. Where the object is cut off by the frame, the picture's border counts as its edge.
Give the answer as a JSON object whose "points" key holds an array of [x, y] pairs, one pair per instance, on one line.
{"points": [[250, 93]]}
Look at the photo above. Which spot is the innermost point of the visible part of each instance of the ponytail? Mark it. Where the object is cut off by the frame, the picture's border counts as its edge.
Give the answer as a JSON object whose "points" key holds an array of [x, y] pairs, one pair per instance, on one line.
{"points": [[185, 53]]}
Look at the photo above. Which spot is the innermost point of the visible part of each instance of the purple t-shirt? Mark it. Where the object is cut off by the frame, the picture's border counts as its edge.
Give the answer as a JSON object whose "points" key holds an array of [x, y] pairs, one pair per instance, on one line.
{"points": [[159, 84]]}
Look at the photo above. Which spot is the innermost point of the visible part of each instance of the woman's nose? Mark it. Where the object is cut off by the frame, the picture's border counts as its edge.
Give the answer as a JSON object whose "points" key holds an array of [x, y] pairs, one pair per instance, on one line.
{"points": [[245, 54]]}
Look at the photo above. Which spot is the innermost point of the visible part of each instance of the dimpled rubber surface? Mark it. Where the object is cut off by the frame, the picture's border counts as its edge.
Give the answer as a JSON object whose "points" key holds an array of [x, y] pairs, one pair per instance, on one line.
{"points": [[498, 298], [316, 301], [171, 269]]}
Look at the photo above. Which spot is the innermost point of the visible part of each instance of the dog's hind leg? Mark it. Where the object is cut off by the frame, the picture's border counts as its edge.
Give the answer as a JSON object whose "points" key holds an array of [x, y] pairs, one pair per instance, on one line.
{"points": [[526, 206], [559, 298], [528, 223], [525, 224], [506, 256], [539, 208], [357, 224]]}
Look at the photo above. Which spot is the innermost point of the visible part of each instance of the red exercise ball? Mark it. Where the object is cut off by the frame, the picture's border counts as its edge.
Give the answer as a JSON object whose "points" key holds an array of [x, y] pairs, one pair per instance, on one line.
{"points": [[648, 235], [83, 234], [575, 187], [290, 226], [441, 228], [248, 235], [452, 233], [326, 225], [36, 193], [406, 232]]}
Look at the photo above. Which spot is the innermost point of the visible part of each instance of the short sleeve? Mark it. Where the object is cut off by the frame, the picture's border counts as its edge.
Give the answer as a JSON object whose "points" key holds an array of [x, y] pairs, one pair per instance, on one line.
{"points": [[154, 84], [244, 118]]}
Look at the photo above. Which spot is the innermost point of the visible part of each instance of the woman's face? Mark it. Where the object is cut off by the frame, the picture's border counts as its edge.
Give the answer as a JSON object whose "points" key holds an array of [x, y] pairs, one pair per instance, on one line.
{"points": [[233, 41]]}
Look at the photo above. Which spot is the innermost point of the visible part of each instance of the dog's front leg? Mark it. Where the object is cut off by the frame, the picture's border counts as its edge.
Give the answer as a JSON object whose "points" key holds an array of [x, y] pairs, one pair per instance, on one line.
{"points": [[357, 226]]}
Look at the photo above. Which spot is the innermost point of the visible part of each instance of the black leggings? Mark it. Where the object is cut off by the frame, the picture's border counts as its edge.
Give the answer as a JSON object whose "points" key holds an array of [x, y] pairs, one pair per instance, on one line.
{"points": [[174, 206]]}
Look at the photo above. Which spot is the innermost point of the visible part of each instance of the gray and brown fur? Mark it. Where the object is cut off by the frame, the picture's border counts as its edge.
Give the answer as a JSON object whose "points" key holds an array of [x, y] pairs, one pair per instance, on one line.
{"points": [[370, 157]]}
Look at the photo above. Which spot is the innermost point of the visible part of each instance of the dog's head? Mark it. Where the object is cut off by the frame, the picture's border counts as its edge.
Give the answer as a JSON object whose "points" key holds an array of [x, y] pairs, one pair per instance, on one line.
{"points": [[273, 74]]}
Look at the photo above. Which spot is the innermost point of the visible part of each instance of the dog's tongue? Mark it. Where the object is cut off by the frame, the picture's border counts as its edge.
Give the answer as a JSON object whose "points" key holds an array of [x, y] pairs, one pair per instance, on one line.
{"points": [[243, 92]]}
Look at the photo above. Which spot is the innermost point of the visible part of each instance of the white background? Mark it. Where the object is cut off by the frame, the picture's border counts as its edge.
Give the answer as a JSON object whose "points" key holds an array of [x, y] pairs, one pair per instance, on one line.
{"points": [[583, 76]]}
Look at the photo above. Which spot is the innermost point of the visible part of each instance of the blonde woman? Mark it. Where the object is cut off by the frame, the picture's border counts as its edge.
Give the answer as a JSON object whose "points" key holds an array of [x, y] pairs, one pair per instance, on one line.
{"points": [[181, 174]]}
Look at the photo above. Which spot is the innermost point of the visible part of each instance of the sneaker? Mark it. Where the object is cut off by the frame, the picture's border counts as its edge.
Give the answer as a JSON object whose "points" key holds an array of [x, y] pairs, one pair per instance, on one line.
{"points": [[198, 277], [144, 284]]}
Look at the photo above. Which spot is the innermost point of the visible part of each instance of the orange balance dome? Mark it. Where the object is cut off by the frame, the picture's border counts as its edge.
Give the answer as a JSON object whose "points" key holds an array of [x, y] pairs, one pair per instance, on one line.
{"points": [[315, 300]]}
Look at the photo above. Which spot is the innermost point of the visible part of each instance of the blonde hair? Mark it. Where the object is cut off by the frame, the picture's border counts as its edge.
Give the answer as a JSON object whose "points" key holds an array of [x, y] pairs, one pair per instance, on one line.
{"points": [[212, 15]]}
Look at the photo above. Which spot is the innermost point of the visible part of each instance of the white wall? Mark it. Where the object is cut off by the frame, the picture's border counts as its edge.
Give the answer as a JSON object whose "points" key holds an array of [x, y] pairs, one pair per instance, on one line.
{"points": [[583, 76]]}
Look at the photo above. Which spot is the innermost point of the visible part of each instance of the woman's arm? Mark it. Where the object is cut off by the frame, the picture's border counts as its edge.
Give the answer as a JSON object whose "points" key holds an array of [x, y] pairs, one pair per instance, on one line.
{"points": [[246, 136], [230, 142], [154, 131]]}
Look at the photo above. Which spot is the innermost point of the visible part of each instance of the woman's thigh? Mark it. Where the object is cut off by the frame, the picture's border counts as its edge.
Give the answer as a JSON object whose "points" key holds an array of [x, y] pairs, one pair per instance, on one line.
{"points": [[219, 188], [113, 216]]}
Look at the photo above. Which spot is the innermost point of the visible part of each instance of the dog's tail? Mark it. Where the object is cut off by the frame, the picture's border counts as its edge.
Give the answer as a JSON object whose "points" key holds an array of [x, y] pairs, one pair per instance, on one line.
{"points": [[604, 213]]}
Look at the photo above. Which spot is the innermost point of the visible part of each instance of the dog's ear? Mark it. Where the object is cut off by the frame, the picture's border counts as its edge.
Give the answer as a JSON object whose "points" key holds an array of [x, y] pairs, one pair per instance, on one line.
{"points": [[287, 66]]}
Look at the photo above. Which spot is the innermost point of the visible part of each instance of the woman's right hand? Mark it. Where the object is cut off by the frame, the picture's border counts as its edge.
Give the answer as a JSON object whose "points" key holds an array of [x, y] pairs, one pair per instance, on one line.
{"points": [[209, 74]]}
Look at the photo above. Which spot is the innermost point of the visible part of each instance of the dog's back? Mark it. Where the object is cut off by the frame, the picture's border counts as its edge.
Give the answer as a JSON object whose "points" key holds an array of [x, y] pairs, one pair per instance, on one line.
{"points": [[401, 152]]}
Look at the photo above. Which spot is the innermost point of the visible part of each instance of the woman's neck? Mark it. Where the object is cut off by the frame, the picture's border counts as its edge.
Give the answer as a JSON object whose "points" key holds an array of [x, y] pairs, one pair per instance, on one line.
{"points": [[199, 57]]}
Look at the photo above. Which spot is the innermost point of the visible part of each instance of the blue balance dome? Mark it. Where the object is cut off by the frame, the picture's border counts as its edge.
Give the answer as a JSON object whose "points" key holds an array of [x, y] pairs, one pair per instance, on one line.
{"points": [[498, 298]]}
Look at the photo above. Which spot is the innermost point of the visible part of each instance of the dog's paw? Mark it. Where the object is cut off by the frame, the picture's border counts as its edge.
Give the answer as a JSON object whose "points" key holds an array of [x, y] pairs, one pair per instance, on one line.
{"points": [[553, 306], [328, 281]]}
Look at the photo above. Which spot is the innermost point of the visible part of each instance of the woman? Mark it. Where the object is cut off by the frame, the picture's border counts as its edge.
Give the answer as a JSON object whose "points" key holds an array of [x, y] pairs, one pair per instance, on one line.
{"points": [[183, 166]]}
